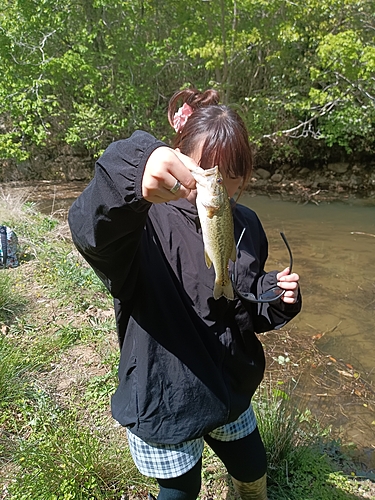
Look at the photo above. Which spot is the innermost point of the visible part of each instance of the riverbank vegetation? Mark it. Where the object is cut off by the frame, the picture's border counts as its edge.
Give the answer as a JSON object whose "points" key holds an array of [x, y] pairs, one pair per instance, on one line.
{"points": [[59, 355], [78, 75]]}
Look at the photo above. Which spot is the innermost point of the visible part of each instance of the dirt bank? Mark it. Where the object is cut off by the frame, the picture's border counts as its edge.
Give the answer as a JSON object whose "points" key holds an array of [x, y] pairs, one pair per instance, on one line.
{"points": [[336, 181], [304, 182]]}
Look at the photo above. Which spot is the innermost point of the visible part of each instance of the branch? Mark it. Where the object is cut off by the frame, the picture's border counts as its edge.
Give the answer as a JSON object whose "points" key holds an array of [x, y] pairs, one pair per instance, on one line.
{"points": [[43, 42], [354, 85], [306, 125], [360, 232]]}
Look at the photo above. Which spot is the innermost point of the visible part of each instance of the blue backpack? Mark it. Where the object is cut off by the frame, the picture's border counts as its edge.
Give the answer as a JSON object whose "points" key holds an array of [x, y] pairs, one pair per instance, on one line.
{"points": [[8, 248]]}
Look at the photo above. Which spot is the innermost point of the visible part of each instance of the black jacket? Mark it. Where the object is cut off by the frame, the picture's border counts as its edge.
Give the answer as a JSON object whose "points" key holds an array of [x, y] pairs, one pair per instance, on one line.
{"points": [[189, 363]]}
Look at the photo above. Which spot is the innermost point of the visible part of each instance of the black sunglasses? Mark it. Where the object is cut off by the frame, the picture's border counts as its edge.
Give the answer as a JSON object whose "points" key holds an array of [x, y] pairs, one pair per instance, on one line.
{"points": [[270, 295]]}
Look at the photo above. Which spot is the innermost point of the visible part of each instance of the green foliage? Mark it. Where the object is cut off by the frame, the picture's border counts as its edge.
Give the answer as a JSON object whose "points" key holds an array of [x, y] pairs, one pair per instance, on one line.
{"points": [[100, 388], [64, 460], [15, 364], [313, 476], [85, 73], [11, 299], [280, 424]]}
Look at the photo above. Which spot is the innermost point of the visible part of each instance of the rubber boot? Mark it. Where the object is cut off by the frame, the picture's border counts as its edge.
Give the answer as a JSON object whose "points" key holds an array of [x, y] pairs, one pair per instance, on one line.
{"points": [[257, 490]]}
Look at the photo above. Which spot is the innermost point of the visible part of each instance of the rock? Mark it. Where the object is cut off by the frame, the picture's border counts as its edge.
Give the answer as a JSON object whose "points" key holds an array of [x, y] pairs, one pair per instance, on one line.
{"points": [[338, 168], [304, 171], [354, 181], [260, 182], [320, 182], [263, 174], [286, 167], [276, 178]]}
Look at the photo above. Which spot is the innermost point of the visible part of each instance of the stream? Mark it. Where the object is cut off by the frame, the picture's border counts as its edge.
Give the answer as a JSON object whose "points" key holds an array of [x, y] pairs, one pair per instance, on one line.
{"points": [[333, 247]]}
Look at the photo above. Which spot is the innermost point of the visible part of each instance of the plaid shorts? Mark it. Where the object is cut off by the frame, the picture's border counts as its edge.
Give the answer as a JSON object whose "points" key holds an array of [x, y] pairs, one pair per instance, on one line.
{"points": [[165, 461]]}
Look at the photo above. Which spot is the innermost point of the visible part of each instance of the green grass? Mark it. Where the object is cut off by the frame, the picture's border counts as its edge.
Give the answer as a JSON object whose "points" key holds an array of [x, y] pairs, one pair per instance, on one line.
{"points": [[15, 367], [11, 299], [298, 466], [66, 460], [58, 369]]}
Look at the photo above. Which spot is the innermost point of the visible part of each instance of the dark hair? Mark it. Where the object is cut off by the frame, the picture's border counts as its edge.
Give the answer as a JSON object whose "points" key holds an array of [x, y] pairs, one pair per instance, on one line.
{"points": [[225, 137]]}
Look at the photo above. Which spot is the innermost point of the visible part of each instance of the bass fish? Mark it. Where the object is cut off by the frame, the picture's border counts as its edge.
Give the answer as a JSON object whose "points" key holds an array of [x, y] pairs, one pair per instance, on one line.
{"points": [[215, 215]]}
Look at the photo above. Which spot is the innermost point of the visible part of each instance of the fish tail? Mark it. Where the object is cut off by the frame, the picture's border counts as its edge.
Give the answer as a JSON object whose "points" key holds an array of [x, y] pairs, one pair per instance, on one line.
{"points": [[223, 290]]}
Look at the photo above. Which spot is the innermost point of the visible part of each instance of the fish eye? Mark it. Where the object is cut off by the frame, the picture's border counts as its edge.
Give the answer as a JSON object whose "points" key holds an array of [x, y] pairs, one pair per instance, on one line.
{"points": [[219, 180]]}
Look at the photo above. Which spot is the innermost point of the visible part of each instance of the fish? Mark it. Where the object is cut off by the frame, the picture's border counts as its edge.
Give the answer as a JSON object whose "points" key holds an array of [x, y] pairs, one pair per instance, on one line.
{"points": [[216, 219]]}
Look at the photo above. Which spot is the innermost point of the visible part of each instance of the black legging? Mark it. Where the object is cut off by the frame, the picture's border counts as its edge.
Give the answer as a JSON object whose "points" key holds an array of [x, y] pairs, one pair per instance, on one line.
{"points": [[245, 460]]}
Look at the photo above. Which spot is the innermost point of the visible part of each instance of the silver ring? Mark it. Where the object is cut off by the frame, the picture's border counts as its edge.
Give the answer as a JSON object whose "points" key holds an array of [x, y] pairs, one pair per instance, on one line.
{"points": [[176, 187]]}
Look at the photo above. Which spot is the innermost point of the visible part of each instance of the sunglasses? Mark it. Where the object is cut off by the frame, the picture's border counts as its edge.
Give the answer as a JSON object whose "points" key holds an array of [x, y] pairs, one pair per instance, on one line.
{"points": [[270, 295]]}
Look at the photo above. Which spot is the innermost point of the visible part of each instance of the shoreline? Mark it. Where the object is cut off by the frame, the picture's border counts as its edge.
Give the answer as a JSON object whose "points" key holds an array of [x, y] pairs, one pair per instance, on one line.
{"points": [[299, 191]]}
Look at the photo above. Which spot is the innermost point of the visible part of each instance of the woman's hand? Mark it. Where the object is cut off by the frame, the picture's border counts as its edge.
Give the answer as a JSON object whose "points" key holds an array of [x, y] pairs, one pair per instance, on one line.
{"points": [[288, 282], [163, 169]]}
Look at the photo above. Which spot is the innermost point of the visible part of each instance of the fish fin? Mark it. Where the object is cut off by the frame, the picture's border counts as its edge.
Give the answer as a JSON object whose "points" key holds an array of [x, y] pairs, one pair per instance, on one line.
{"points": [[221, 290], [233, 255], [207, 259]]}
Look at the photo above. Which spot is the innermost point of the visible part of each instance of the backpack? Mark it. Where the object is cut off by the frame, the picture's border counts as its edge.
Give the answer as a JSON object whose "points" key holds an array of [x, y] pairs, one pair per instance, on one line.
{"points": [[8, 248]]}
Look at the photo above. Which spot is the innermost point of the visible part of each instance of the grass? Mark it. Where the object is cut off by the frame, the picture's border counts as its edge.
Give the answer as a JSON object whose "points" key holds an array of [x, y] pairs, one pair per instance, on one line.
{"points": [[59, 356], [298, 465]]}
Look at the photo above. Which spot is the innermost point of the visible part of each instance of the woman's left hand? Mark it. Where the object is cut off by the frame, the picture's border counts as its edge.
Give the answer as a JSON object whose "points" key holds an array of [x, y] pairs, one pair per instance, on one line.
{"points": [[288, 282]]}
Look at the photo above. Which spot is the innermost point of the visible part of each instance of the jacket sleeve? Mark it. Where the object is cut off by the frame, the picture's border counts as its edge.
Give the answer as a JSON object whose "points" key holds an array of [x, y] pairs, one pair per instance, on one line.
{"points": [[107, 219], [266, 316], [277, 314]]}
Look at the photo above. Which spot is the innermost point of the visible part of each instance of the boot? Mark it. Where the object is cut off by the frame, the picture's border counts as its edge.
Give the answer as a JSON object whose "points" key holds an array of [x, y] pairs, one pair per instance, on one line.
{"points": [[256, 490]]}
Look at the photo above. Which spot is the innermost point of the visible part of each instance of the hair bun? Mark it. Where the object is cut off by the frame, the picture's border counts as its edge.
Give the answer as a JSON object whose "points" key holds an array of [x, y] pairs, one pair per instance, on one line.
{"points": [[194, 98], [207, 98]]}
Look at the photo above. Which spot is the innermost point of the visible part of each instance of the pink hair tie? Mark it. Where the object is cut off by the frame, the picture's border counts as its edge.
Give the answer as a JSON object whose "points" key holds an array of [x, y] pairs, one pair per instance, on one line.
{"points": [[181, 117]]}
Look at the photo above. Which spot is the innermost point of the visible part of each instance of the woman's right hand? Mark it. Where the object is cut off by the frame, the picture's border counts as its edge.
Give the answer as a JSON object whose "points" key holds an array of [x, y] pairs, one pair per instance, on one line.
{"points": [[163, 169]]}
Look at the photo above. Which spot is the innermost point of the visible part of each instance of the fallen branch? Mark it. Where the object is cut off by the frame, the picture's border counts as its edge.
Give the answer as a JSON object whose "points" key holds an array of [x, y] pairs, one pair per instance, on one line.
{"points": [[365, 234]]}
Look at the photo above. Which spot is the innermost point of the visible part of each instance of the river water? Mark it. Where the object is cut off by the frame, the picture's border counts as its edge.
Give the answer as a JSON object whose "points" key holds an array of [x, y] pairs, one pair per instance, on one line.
{"points": [[333, 247]]}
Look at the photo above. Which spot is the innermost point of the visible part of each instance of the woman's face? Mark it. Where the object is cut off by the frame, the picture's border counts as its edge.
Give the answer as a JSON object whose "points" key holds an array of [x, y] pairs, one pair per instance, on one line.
{"points": [[231, 183]]}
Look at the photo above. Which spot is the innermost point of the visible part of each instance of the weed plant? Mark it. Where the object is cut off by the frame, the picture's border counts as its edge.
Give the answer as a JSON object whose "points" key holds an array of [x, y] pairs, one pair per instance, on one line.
{"points": [[66, 460], [297, 468], [15, 367], [11, 299]]}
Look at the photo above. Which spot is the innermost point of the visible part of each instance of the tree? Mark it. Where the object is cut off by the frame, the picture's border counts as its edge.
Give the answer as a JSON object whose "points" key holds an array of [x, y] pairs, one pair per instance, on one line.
{"points": [[87, 72]]}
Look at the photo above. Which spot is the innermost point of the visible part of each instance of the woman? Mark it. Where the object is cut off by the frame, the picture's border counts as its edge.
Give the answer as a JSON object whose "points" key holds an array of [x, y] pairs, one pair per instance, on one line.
{"points": [[189, 363]]}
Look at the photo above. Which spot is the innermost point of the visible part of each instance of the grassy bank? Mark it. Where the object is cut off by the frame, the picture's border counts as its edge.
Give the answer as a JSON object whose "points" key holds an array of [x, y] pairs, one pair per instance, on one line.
{"points": [[58, 360]]}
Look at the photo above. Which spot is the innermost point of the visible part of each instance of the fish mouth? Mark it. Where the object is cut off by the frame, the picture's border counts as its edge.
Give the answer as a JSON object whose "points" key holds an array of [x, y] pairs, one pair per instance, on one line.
{"points": [[204, 172]]}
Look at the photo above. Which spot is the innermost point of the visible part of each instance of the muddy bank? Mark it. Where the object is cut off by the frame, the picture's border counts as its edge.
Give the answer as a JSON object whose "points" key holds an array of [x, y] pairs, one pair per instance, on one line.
{"points": [[337, 181]]}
